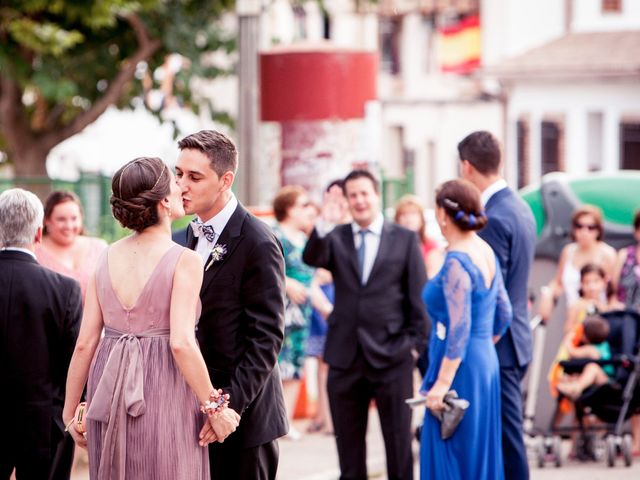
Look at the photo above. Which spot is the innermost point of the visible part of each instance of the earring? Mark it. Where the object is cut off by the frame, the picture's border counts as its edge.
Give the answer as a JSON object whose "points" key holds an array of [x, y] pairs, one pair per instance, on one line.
{"points": [[169, 211]]}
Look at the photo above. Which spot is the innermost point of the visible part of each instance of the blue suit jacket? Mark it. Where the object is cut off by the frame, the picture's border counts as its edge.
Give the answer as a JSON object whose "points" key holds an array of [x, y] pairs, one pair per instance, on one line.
{"points": [[511, 232]]}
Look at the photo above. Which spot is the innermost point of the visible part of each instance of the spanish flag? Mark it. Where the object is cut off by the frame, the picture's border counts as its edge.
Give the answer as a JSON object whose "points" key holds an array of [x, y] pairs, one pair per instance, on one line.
{"points": [[460, 46]]}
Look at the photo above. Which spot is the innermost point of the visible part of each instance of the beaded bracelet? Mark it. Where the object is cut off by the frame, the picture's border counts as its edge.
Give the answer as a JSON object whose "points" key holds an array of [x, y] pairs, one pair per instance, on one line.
{"points": [[217, 402]]}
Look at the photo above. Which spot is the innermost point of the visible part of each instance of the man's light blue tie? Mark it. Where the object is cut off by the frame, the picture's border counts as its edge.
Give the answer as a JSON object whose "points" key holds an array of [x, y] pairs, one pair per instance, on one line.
{"points": [[361, 249]]}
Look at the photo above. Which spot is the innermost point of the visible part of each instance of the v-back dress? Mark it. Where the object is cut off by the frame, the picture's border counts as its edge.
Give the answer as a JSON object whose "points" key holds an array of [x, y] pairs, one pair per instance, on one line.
{"points": [[143, 419], [465, 315]]}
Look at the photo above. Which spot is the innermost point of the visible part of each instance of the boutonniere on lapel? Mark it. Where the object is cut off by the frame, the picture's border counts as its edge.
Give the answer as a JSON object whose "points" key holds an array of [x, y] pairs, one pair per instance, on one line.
{"points": [[217, 253]]}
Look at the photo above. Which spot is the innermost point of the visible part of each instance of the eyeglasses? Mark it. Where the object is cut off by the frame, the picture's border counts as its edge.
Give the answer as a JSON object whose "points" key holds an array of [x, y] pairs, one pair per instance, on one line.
{"points": [[589, 226]]}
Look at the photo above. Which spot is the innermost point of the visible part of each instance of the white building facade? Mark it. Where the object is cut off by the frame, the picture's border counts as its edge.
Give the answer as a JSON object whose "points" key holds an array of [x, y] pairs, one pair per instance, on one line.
{"points": [[558, 83]]}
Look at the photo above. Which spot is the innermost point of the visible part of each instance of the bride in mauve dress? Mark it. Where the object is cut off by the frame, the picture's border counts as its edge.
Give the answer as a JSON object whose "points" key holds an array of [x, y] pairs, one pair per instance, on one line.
{"points": [[147, 380]]}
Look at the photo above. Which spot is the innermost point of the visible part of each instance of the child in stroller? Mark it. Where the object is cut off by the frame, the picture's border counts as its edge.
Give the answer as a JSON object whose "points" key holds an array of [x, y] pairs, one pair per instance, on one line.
{"points": [[612, 401], [588, 340]]}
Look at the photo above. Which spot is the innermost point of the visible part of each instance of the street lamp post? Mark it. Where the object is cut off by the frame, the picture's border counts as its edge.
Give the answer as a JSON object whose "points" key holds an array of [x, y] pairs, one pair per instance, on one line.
{"points": [[248, 12]]}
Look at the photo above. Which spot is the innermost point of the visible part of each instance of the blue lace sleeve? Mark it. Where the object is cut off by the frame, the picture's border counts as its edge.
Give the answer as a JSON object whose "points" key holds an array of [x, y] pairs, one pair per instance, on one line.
{"points": [[504, 312], [457, 292]]}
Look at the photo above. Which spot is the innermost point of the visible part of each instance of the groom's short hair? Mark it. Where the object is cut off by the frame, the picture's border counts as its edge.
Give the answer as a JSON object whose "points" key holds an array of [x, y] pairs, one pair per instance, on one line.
{"points": [[218, 148], [482, 150]]}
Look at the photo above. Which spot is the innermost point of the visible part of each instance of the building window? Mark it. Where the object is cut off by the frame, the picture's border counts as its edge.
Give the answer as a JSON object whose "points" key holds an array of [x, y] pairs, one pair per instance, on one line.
{"points": [[522, 132], [326, 25], [611, 6], [550, 148], [390, 30], [630, 146]]}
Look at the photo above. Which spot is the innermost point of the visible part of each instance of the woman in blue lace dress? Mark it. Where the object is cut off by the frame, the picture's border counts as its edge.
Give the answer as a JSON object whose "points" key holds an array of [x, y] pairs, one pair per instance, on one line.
{"points": [[470, 310]]}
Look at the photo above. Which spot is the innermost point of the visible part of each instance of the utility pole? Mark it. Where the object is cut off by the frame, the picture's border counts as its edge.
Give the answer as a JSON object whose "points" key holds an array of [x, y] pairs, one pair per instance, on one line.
{"points": [[248, 12]]}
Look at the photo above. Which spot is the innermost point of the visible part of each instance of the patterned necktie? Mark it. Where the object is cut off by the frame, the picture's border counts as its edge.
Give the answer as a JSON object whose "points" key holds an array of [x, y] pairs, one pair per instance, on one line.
{"points": [[202, 230], [361, 249]]}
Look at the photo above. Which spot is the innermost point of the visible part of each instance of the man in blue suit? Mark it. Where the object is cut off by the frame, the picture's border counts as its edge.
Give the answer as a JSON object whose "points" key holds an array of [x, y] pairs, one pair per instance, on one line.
{"points": [[511, 232]]}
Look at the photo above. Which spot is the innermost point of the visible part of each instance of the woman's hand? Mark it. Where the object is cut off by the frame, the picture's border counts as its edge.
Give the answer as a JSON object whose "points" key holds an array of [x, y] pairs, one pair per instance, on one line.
{"points": [[207, 435], [225, 423], [435, 396], [296, 291], [79, 438]]}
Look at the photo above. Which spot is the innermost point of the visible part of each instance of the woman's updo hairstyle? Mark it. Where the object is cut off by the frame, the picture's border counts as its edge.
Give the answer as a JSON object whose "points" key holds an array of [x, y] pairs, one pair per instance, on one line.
{"points": [[137, 188], [460, 199]]}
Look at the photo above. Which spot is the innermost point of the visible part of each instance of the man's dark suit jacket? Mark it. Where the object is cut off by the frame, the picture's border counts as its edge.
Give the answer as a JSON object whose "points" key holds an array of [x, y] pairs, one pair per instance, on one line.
{"points": [[241, 327], [511, 232], [386, 316], [40, 313]]}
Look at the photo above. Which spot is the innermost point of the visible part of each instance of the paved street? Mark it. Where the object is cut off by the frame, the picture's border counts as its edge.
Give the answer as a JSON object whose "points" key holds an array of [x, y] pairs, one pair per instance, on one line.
{"points": [[313, 457]]}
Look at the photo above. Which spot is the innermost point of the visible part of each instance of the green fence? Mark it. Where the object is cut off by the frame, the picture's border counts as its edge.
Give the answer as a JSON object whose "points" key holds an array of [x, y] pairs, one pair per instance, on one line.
{"points": [[394, 188], [93, 190]]}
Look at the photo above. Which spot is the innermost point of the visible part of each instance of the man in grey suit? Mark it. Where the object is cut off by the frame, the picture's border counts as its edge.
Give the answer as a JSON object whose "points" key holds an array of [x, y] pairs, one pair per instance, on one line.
{"points": [[40, 313], [511, 232]]}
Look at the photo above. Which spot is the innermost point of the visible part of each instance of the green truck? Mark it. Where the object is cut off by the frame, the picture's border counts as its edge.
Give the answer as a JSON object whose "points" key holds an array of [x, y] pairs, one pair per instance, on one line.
{"points": [[555, 198]]}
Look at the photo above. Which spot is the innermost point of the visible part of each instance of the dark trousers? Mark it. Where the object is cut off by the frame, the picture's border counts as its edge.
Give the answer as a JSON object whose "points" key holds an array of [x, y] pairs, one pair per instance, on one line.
{"points": [[35, 464], [229, 460], [513, 448], [350, 393]]}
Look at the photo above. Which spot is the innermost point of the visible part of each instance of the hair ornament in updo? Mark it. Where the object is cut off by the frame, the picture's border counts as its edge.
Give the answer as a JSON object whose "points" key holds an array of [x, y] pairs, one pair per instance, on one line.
{"points": [[133, 162], [472, 219], [450, 204], [459, 215]]}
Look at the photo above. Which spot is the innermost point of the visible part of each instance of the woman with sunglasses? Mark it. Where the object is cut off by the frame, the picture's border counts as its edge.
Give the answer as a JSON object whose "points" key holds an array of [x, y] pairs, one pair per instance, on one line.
{"points": [[587, 247]]}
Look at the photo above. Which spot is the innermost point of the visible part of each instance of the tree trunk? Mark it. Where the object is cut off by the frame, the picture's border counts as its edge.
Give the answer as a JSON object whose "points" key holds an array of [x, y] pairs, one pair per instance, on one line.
{"points": [[31, 170]]}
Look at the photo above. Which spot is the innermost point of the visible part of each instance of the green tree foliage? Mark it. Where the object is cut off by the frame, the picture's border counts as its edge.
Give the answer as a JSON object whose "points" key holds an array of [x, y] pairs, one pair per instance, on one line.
{"points": [[64, 62]]}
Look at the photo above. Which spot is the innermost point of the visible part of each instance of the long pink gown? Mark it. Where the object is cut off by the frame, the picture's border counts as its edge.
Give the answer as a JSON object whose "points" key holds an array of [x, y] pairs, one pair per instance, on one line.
{"points": [[83, 272], [143, 419]]}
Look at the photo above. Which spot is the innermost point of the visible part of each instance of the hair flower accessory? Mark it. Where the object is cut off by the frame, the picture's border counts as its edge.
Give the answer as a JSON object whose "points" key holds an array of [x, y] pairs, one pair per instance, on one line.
{"points": [[217, 254]]}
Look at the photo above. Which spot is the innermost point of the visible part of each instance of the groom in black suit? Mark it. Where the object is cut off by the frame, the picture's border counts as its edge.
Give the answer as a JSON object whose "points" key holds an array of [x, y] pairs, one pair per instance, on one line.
{"points": [[241, 327], [377, 327], [40, 313]]}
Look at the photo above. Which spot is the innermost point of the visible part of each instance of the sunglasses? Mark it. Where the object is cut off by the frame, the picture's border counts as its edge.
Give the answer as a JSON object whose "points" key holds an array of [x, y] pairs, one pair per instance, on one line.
{"points": [[589, 226]]}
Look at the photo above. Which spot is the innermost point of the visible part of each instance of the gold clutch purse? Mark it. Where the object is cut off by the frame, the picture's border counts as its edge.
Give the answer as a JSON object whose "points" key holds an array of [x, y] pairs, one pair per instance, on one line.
{"points": [[78, 419]]}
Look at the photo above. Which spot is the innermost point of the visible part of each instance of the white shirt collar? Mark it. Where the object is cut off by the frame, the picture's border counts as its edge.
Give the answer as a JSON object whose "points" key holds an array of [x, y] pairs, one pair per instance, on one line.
{"points": [[491, 190], [374, 227], [19, 249], [219, 221]]}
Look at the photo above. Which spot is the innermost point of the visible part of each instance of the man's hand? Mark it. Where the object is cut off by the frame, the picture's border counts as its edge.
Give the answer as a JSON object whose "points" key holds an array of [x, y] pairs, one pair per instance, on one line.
{"points": [[334, 206], [225, 423]]}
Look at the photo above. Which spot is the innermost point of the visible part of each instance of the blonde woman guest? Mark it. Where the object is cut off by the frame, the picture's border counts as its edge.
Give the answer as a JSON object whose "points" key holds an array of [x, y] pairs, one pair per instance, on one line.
{"points": [[587, 247], [64, 248], [146, 376], [410, 214]]}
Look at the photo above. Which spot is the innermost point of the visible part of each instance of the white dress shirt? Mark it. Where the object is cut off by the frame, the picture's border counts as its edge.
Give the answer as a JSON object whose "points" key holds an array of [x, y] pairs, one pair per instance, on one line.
{"points": [[372, 244], [491, 190], [218, 222]]}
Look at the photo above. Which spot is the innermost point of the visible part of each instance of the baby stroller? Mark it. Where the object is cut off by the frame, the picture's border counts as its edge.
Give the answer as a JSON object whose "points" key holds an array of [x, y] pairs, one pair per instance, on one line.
{"points": [[613, 403]]}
